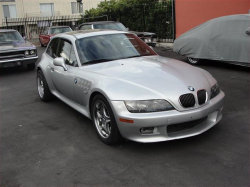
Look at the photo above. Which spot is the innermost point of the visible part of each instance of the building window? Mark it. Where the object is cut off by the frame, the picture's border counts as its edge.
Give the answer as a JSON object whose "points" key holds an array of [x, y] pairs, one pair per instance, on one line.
{"points": [[9, 11], [47, 9], [75, 8]]}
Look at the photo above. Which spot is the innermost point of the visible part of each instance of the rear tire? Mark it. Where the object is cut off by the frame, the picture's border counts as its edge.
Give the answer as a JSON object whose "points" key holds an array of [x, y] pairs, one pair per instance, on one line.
{"points": [[193, 61], [104, 121], [43, 88], [31, 66]]}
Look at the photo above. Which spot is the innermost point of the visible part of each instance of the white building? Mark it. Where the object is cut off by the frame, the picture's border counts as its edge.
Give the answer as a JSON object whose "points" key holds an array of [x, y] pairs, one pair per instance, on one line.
{"points": [[31, 17], [43, 8]]}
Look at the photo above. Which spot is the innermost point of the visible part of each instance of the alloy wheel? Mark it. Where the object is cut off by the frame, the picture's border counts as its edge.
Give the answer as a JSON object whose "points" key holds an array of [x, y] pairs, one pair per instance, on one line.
{"points": [[102, 119]]}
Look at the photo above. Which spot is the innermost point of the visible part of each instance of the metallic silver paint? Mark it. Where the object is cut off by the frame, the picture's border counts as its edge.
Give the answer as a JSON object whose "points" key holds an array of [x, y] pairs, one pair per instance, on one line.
{"points": [[140, 78]]}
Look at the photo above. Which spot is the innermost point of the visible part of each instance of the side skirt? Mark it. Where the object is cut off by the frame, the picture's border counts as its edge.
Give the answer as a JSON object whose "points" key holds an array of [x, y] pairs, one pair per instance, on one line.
{"points": [[74, 105]]}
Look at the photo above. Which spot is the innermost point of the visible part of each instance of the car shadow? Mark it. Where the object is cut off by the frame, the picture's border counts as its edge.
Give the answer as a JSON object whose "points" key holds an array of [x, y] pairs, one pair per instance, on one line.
{"points": [[14, 70], [222, 65]]}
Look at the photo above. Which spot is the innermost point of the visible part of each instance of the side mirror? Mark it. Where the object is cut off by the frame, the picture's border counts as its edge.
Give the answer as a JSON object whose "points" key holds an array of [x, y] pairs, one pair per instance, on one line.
{"points": [[24, 37], [127, 29], [60, 62]]}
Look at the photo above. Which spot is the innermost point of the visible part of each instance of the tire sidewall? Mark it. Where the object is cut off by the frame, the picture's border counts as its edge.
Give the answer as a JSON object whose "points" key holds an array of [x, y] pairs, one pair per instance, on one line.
{"points": [[47, 96]]}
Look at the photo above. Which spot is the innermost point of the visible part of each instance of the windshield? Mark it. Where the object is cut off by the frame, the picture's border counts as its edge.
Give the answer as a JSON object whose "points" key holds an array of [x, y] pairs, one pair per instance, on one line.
{"points": [[111, 47], [60, 30], [8, 37], [110, 26]]}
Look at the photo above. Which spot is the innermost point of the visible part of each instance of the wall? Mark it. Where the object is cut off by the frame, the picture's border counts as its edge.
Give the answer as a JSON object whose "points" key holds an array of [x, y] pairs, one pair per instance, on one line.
{"points": [[191, 13]]}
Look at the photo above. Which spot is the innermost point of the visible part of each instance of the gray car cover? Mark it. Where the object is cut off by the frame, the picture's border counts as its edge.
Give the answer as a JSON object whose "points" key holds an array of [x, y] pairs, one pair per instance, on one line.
{"points": [[226, 38]]}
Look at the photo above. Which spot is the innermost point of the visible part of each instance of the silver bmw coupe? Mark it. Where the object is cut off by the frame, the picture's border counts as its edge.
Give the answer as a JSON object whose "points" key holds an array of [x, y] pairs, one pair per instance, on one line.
{"points": [[128, 91]]}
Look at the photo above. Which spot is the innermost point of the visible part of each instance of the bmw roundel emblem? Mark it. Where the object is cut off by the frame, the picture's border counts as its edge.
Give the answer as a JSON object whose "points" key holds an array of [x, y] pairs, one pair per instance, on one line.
{"points": [[191, 88]]}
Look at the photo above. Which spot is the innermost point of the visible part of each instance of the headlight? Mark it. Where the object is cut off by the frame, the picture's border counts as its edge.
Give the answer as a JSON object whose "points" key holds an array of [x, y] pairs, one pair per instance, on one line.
{"points": [[32, 52], [148, 106], [26, 53], [215, 90], [147, 40]]}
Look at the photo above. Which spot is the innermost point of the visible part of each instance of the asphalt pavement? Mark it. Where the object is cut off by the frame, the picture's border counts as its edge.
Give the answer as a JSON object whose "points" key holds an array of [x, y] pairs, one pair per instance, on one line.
{"points": [[50, 144]]}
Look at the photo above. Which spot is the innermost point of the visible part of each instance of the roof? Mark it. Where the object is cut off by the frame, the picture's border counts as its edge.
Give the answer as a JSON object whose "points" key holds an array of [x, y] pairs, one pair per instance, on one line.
{"points": [[99, 22], [92, 32], [7, 30]]}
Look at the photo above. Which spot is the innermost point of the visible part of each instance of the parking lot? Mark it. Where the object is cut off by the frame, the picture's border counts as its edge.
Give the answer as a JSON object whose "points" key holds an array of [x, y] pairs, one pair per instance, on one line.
{"points": [[50, 144]]}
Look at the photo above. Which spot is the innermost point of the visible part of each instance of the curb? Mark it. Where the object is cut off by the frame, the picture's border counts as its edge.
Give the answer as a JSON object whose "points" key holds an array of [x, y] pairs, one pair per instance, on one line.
{"points": [[168, 46]]}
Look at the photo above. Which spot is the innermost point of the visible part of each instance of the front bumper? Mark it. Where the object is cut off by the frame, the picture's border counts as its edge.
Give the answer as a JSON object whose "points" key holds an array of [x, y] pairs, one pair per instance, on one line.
{"points": [[160, 120], [17, 61]]}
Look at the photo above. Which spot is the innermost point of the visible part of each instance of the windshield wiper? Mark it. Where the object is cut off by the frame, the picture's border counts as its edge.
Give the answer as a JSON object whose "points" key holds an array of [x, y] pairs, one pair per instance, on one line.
{"points": [[98, 61], [132, 56], [107, 60]]}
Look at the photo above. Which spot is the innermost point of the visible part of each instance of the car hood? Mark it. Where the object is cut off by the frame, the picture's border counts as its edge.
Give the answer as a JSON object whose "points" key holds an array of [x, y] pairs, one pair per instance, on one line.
{"points": [[152, 77], [13, 46]]}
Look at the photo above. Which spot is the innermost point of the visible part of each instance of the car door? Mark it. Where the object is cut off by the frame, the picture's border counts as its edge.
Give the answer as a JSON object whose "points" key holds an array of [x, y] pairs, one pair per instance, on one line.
{"points": [[63, 81]]}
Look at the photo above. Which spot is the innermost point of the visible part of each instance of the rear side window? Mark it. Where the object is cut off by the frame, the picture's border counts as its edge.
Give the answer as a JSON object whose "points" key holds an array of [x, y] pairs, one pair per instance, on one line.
{"points": [[52, 48]]}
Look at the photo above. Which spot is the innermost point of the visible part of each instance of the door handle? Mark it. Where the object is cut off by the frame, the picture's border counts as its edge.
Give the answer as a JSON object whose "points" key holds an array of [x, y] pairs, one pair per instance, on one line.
{"points": [[52, 69]]}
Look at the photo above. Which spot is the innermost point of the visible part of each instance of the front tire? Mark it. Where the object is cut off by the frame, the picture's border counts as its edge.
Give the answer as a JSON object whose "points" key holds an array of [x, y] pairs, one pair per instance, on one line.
{"points": [[193, 61], [43, 88], [104, 121]]}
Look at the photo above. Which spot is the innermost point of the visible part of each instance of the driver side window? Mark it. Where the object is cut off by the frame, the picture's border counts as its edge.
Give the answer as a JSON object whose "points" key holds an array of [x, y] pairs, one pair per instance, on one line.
{"points": [[66, 51], [52, 48]]}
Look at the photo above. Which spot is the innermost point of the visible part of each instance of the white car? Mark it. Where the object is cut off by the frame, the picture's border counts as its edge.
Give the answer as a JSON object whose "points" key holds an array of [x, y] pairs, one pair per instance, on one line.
{"points": [[128, 91]]}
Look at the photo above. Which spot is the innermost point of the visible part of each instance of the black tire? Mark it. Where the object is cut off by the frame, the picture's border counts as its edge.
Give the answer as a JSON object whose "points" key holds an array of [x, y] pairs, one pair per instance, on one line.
{"points": [[41, 43], [31, 66], [115, 136], [193, 61], [47, 96]]}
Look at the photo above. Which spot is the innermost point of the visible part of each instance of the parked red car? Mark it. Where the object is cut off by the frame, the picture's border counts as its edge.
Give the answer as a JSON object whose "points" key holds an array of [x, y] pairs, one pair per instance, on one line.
{"points": [[44, 37]]}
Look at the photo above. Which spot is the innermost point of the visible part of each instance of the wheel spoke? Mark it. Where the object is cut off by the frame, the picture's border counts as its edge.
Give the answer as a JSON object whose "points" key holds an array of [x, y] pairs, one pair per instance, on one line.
{"points": [[99, 116], [102, 110], [105, 114]]}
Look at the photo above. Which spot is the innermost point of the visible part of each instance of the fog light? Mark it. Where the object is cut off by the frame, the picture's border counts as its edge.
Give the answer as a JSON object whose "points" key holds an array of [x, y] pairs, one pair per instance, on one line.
{"points": [[147, 130], [18, 63]]}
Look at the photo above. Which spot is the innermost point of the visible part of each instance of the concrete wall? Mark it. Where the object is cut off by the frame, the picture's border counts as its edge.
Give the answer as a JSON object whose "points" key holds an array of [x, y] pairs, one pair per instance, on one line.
{"points": [[191, 13]]}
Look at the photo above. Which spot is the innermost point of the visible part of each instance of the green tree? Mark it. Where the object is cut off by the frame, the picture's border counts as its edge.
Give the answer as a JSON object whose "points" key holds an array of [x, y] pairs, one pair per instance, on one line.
{"points": [[156, 15]]}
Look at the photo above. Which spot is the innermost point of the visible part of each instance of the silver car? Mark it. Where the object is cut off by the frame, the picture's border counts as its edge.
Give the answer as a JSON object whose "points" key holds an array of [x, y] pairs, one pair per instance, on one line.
{"points": [[128, 91]]}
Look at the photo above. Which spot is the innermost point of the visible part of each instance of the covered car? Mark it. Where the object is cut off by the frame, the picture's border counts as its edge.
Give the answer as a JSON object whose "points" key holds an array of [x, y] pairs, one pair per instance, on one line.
{"points": [[225, 39]]}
